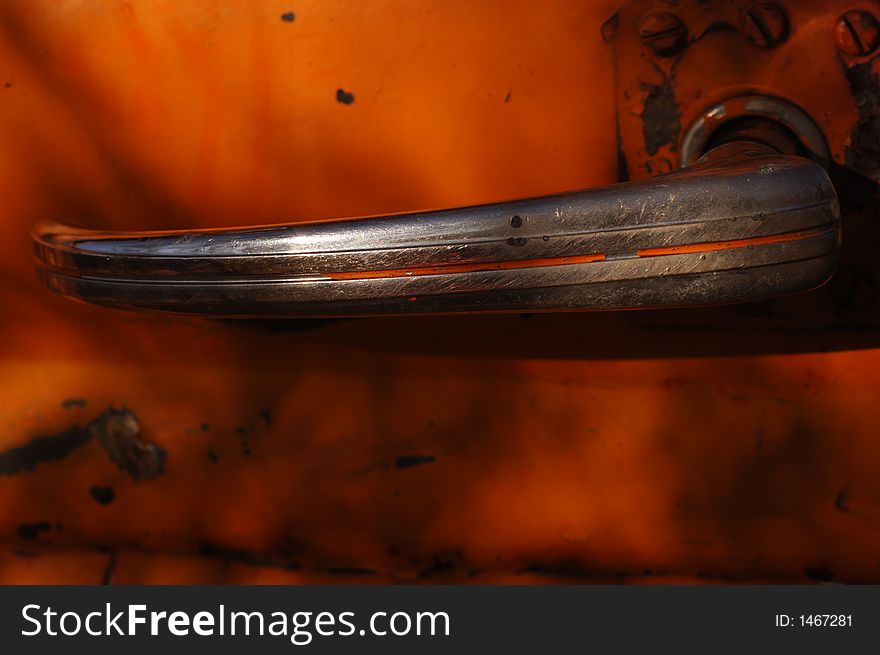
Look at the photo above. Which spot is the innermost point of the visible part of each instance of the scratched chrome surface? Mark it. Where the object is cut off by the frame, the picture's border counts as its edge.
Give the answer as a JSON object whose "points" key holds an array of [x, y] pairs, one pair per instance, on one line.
{"points": [[602, 249]]}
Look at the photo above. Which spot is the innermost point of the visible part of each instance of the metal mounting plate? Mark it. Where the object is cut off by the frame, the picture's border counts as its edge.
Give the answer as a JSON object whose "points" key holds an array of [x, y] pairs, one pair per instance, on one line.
{"points": [[662, 91]]}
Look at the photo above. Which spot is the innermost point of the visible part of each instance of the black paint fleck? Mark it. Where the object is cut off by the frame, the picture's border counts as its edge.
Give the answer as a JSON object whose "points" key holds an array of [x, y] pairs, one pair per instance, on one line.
{"points": [[516, 221], [820, 573], [71, 403], [102, 495], [266, 415], [244, 433], [205, 427], [109, 569], [210, 549], [33, 530], [345, 97], [840, 502], [408, 461], [43, 449], [212, 455], [350, 570], [622, 163], [438, 566], [117, 432], [288, 17]]}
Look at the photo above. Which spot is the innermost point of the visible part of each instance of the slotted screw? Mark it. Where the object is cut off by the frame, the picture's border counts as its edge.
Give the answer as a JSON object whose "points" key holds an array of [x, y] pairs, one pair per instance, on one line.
{"points": [[765, 24], [857, 33], [664, 34]]}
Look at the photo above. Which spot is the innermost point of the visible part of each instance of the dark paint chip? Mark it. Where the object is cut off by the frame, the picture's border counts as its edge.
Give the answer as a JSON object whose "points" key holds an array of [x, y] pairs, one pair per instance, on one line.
{"points": [[71, 403], [266, 415], [350, 570], [517, 242], [244, 433], [863, 153], [516, 221], [438, 566], [118, 430], [840, 502], [408, 461], [212, 455], [43, 449], [102, 495], [661, 119], [33, 530], [109, 569], [288, 17], [345, 97], [205, 427], [820, 573]]}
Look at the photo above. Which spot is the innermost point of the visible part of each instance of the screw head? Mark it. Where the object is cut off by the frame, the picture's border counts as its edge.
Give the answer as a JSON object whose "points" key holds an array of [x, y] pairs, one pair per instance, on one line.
{"points": [[857, 33], [765, 24], [664, 34]]}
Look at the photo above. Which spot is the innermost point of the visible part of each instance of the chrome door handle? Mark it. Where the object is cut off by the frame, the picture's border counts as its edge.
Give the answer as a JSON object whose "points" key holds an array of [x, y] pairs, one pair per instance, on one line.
{"points": [[743, 223]]}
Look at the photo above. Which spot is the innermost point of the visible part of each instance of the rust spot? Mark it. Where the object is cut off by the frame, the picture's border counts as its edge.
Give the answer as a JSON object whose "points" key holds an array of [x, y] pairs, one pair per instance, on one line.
{"points": [[102, 495], [863, 154], [43, 449], [244, 433], [33, 530], [820, 573], [439, 566], [107, 577], [408, 461], [840, 500], [661, 118], [117, 431], [251, 558], [351, 570]]}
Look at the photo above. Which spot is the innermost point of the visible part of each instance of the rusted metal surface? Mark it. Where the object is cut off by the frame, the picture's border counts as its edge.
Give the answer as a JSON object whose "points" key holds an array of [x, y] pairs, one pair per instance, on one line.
{"points": [[116, 431], [739, 49], [671, 108], [718, 444]]}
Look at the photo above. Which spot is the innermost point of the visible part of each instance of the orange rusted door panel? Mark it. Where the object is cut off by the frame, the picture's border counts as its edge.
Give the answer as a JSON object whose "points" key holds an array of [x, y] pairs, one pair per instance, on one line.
{"points": [[507, 448]]}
